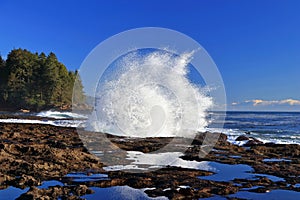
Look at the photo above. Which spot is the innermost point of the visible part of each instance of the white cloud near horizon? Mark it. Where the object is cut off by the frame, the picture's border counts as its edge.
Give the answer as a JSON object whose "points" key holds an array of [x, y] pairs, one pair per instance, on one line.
{"points": [[260, 102]]}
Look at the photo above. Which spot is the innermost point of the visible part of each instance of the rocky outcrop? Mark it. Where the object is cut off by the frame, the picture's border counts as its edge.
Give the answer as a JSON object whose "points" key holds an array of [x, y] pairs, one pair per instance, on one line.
{"points": [[55, 192], [32, 153]]}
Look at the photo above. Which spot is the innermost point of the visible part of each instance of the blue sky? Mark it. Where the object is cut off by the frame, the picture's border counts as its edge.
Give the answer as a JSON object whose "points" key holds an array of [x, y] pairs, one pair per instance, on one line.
{"points": [[255, 43]]}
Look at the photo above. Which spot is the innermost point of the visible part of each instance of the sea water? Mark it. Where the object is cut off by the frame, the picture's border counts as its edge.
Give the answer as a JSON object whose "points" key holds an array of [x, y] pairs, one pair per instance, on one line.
{"points": [[276, 127]]}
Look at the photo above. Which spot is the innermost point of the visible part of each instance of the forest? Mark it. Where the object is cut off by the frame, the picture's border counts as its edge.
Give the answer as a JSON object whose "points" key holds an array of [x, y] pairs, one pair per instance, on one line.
{"points": [[36, 81]]}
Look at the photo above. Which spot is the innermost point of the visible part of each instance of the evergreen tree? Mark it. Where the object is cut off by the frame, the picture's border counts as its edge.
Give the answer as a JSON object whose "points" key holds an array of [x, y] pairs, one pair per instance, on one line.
{"points": [[20, 65], [62, 84], [3, 81], [79, 96], [51, 74], [40, 78], [36, 81]]}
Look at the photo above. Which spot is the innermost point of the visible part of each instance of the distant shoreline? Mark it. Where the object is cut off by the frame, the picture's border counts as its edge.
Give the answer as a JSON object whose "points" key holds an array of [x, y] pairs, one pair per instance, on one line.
{"points": [[85, 108], [12, 109]]}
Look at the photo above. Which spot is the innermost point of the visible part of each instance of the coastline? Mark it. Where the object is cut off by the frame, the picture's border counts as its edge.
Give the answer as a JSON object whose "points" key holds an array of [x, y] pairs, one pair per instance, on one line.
{"points": [[32, 154]]}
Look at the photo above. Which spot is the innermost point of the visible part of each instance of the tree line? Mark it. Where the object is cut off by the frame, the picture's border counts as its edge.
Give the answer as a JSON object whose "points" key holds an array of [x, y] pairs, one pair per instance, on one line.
{"points": [[36, 81]]}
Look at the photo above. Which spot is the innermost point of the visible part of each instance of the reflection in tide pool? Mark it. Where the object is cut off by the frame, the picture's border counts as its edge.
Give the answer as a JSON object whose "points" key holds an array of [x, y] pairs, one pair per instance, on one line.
{"points": [[215, 197], [119, 193], [47, 184], [223, 172], [109, 193], [276, 160], [274, 194], [11, 193], [140, 160], [227, 172], [83, 177]]}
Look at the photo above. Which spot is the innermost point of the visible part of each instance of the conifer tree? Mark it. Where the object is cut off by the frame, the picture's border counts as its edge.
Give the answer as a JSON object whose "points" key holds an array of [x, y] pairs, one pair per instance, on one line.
{"points": [[36, 81]]}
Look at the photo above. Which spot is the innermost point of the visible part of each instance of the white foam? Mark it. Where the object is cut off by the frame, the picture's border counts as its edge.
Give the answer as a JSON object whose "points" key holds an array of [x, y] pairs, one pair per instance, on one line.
{"points": [[233, 134], [60, 115], [150, 96], [60, 123]]}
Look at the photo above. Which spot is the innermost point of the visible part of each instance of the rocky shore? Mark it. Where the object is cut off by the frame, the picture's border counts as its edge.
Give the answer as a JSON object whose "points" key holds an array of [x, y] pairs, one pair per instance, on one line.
{"points": [[31, 154]]}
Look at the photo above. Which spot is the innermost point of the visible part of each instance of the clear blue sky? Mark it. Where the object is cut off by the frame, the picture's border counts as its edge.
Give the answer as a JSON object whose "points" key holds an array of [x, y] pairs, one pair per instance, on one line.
{"points": [[255, 43]]}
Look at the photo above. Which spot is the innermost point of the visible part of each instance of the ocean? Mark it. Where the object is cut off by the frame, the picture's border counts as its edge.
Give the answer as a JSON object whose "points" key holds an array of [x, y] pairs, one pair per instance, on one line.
{"points": [[277, 127]]}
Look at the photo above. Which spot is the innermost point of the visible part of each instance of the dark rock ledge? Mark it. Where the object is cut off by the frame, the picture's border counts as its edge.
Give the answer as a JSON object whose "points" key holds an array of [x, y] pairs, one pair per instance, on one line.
{"points": [[32, 153]]}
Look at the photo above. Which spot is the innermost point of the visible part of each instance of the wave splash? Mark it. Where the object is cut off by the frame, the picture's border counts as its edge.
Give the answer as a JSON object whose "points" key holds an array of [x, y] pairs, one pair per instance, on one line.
{"points": [[60, 115], [147, 93]]}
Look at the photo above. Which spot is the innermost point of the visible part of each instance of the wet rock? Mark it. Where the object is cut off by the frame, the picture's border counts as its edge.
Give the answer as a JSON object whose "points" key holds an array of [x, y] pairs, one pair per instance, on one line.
{"points": [[252, 143], [30, 154], [82, 190], [241, 138], [57, 192], [30, 157], [5, 179], [265, 180], [26, 180]]}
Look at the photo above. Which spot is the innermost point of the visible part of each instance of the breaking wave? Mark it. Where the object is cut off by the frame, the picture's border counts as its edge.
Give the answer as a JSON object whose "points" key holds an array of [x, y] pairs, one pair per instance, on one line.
{"points": [[149, 93]]}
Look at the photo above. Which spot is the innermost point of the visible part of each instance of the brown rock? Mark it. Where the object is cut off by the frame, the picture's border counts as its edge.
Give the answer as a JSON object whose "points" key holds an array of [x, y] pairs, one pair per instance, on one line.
{"points": [[252, 143], [241, 138]]}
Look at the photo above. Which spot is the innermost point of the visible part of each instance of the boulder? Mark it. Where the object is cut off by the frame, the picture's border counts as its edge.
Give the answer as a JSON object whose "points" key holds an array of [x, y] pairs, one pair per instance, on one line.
{"points": [[241, 138]]}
